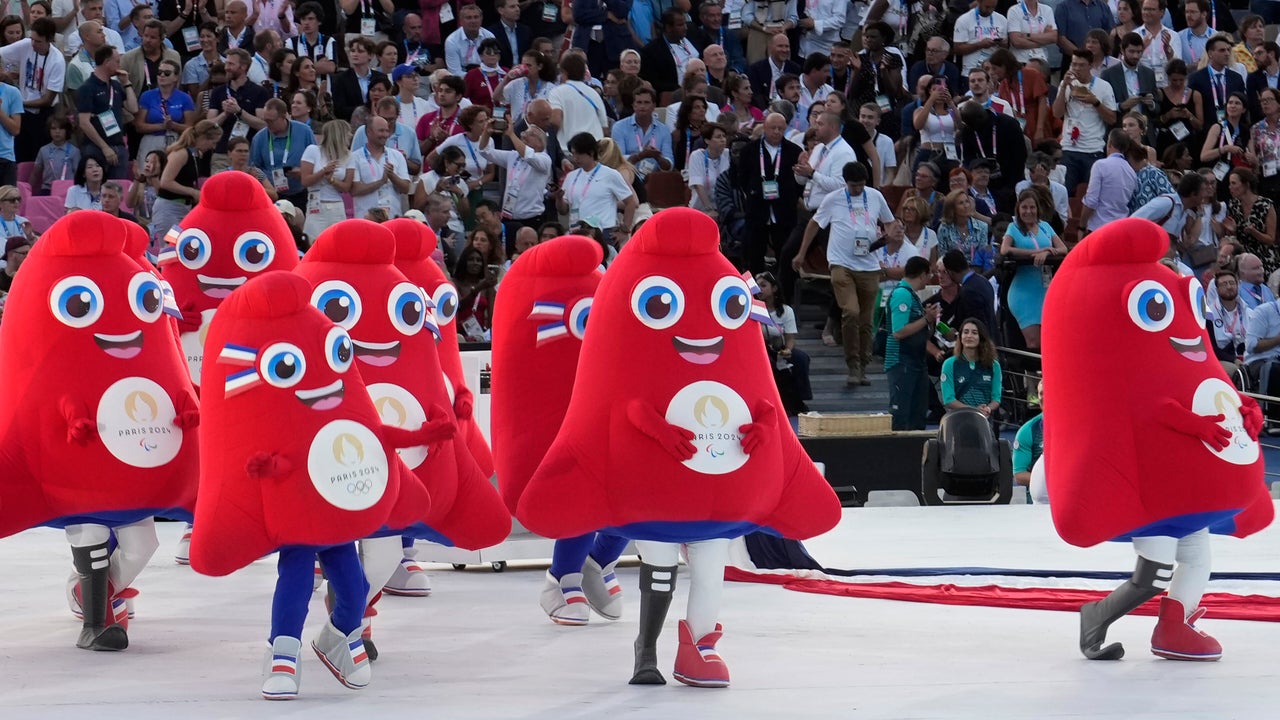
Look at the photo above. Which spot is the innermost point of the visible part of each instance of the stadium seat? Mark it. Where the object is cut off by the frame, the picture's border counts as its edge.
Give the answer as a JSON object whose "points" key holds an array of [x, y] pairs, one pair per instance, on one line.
{"points": [[24, 171], [893, 196], [44, 211], [967, 464], [59, 189]]}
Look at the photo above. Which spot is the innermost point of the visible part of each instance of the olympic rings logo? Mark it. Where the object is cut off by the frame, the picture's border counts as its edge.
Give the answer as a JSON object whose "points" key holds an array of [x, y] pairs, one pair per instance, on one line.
{"points": [[360, 487]]}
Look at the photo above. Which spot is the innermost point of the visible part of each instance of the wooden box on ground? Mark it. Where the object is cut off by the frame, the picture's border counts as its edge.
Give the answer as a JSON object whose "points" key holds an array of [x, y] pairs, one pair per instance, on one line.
{"points": [[844, 424]]}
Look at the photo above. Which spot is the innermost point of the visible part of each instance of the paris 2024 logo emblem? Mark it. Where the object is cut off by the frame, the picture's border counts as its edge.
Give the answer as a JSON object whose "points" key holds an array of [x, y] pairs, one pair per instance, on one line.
{"points": [[348, 466], [713, 412], [135, 422]]}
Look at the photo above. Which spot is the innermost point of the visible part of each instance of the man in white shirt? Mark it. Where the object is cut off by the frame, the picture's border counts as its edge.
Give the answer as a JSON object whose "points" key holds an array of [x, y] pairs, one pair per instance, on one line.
{"points": [[92, 10], [1087, 107], [980, 91], [593, 191], [978, 33], [1196, 33], [813, 86], [310, 43], [854, 216], [820, 26], [462, 47], [41, 74], [265, 44], [402, 137], [528, 174], [575, 106], [869, 117], [1162, 43], [1032, 29], [378, 175]]}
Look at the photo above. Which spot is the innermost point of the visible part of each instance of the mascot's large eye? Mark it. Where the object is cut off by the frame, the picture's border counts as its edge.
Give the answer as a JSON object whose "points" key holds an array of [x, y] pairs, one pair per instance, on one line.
{"points": [[1150, 306], [657, 302], [282, 365], [407, 308], [254, 251], [578, 317], [446, 302], [731, 302], [146, 297], [338, 350], [193, 248], [76, 301], [1198, 306], [338, 301]]}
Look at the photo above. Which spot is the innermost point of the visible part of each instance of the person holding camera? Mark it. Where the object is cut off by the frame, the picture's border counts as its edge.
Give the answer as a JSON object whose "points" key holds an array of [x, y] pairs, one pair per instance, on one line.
{"points": [[277, 151], [528, 176]]}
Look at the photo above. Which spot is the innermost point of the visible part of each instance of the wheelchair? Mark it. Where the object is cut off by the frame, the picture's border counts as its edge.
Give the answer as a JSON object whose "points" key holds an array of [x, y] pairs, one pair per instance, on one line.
{"points": [[967, 464]]}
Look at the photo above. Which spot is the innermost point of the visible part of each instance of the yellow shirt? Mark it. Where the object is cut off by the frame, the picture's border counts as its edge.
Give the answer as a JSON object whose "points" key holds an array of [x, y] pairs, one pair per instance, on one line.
{"points": [[1244, 57]]}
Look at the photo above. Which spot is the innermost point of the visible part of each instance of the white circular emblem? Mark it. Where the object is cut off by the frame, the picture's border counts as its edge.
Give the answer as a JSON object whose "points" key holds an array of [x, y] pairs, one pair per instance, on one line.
{"points": [[1215, 397], [713, 412], [902, 307], [398, 408], [448, 387], [193, 345], [135, 422], [348, 465]]}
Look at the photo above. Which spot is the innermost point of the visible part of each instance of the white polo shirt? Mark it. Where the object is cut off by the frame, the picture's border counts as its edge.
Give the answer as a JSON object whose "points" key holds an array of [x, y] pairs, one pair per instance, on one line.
{"points": [[527, 177], [827, 161], [583, 110], [1022, 20], [595, 195], [1092, 137], [368, 168], [852, 221], [704, 171], [970, 28]]}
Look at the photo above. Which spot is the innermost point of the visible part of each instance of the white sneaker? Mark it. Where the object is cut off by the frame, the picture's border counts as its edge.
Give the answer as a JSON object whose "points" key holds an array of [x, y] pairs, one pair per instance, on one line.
{"points": [[282, 674], [182, 555], [409, 580], [344, 655], [601, 586], [563, 600]]}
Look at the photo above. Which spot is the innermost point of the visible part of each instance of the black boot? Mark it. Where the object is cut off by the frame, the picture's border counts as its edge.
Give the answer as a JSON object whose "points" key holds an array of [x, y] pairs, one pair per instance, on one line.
{"points": [[657, 585], [1149, 580], [100, 632]]}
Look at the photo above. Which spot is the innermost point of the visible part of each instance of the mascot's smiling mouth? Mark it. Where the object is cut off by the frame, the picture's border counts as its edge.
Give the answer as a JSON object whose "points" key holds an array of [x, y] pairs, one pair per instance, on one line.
{"points": [[1192, 349], [699, 352], [120, 346], [325, 398], [217, 287], [377, 354]]}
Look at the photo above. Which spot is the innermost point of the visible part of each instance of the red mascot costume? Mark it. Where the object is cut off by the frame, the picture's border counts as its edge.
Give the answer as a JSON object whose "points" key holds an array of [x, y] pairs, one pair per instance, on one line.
{"points": [[234, 233], [417, 265], [112, 442], [357, 286], [1180, 459], [296, 458], [538, 325], [690, 446]]}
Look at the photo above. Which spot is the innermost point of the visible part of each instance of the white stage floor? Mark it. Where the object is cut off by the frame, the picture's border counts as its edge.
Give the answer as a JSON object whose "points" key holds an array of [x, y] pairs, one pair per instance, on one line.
{"points": [[480, 647]]}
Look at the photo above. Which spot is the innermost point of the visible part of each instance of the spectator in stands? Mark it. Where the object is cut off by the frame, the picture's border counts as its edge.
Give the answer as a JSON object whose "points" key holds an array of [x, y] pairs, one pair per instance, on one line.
{"points": [[645, 141], [265, 43], [1111, 184], [475, 290], [1028, 446], [1264, 142], [1087, 107], [611, 157], [664, 59], [445, 180], [1251, 219], [1178, 213], [977, 298], [576, 107], [1180, 109], [997, 139], [1252, 35], [385, 57], [92, 11], [914, 214], [1133, 83], [1030, 238], [705, 167], [310, 43], [765, 74], [487, 236], [961, 231], [790, 364], [853, 216], [935, 64], [40, 74], [477, 129], [593, 191], [15, 252], [86, 194], [1161, 43], [303, 108], [881, 69], [737, 90], [177, 192], [11, 223], [57, 160], [482, 81], [236, 32], [937, 124], [101, 102], [323, 164], [513, 38], [971, 376], [887, 160], [196, 71], [695, 83], [377, 176], [1212, 214], [350, 87], [629, 62], [1227, 321], [687, 133], [1253, 281], [164, 112], [436, 126], [379, 88], [1262, 349], [1022, 87], [529, 172], [277, 151], [893, 256], [235, 106], [1149, 180], [112, 195], [1266, 76], [910, 326], [1098, 43], [1039, 166], [526, 82], [768, 182], [977, 34], [1226, 141], [462, 47], [280, 76], [144, 192], [1214, 83], [526, 237]]}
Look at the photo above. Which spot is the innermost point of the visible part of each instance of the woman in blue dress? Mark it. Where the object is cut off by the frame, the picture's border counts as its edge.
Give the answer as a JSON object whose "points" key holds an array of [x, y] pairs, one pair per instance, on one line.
{"points": [[1028, 237]]}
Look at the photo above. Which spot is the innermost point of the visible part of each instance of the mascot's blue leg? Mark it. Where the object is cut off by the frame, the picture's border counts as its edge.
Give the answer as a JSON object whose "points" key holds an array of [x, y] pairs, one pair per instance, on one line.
{"points": [[599, 581], [295, 569]]}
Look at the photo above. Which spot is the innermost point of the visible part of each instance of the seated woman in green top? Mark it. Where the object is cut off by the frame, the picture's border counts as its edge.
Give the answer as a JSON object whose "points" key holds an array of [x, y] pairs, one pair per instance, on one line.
{"points": [[971, 377]]}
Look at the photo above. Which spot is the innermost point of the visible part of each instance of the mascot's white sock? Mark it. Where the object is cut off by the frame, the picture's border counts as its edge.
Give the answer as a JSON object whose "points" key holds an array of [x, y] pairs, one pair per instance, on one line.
{"points": [[380, 558], [135, 544], [1191, 575], [706, 584], [87, 535]]}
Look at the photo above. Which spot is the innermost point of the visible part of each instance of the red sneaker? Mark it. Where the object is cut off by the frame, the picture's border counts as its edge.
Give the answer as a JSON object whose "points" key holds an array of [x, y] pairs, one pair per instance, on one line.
{"points": [[697, 663], [1176, 637]]}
